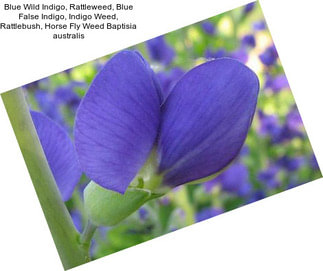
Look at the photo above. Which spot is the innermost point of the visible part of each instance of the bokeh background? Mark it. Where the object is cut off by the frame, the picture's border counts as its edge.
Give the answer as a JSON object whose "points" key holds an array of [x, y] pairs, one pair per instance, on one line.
{"points": [[276, 156]]}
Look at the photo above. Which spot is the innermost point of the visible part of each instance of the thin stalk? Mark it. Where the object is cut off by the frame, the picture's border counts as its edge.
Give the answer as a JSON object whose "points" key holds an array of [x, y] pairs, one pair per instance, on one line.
{"points": [[65, 235], [87, 235]]}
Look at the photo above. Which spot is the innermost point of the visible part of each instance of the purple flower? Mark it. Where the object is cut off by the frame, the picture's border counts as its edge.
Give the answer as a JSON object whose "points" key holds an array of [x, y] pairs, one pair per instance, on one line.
{"points": [[277, 83], [35, 84], [248, 41], [59, 152], [292, 128], [160, 51], [49, 106], [207, 213], [236, 180], [269, 56], [256, 195], [233, 180], [249, 7], [67, 96], [314, 163], [143, 213], [197, 131], [269, 176], [291, 163], [294, 120], [269, 125], [208, 27], [259, 25], [169, 79]]}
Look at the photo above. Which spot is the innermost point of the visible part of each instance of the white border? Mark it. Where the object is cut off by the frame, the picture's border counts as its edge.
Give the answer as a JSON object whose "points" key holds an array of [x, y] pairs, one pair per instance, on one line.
{"points": [[283, 232]]}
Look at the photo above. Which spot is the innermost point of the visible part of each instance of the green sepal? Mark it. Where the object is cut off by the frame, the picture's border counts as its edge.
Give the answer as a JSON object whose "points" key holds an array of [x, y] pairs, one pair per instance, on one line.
{"points": [[107, 208]]}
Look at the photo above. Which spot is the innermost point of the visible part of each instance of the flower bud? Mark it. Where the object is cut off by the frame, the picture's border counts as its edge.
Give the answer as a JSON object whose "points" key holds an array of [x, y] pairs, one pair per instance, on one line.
{"points": [[107, 208]]}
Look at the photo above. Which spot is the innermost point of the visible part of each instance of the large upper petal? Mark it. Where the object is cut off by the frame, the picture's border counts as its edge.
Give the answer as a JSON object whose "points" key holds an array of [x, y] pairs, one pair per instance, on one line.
{"points": [[117, 121], [205, 120], [60, 153]]}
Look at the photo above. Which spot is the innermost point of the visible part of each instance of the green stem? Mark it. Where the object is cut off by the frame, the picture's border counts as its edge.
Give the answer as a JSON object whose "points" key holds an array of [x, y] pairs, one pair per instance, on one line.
{"points": [[65, 235], [87, 235]]}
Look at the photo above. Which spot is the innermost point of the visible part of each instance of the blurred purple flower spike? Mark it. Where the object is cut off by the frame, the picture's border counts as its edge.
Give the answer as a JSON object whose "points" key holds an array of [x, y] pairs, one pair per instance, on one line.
{"points": [[67, 96], [291, 163], [269, 125], [314, 163], [259, 25], [240, 54], [233, 180], [276, 84], [249, 7], [196, 132], [268, 176], [248, 41], [269, 56], [49, 105], [208, 28], [207, 213], [160, 51]]}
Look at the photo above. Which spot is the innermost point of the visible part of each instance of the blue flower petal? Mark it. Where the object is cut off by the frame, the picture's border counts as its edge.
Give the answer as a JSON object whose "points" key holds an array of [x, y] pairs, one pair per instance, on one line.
{"points": [[60, 153], [117, 121], [205, 120]]}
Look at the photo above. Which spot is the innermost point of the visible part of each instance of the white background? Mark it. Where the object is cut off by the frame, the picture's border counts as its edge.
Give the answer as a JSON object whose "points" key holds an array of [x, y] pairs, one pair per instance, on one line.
{"points": [[283, 232]]}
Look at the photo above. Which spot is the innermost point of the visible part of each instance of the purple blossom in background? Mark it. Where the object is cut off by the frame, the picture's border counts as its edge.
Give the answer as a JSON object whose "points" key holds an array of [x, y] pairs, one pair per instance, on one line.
{"points": [[59, 152], [67, 96], [292, 128], [249, 7], [143, 213], [294, 120], [276, 83], [236, 180], [240, 54], [207, 213], [36, 84], [314, 163], [291, 163], [269, 176], [269, 125], [259, 25], [208, 27], [49, 105], [160, 51], [256, 195], [121, 120], [248, 41], [269, 56], [164, 200], [233, 180], [169, 79]]}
